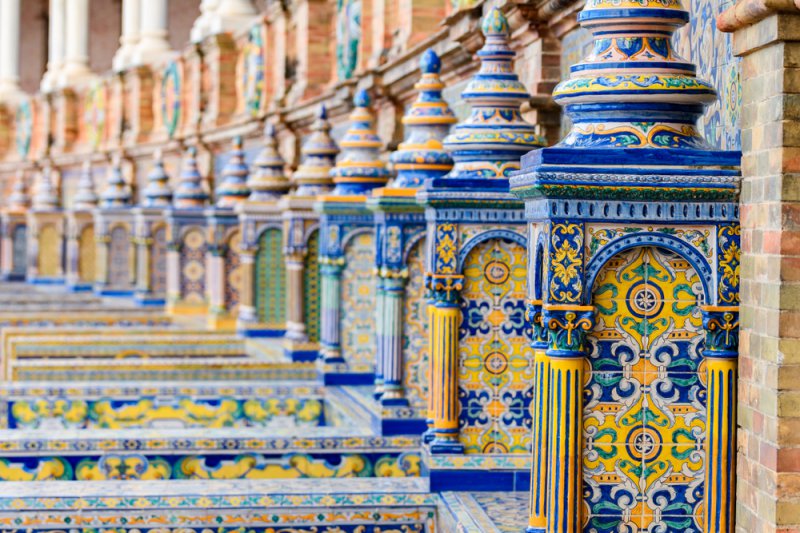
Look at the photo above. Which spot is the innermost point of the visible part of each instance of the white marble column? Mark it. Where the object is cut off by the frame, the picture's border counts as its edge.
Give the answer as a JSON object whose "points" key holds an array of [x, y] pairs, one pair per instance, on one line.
{"points": [[55, 45], [129, 40], [202, 25], [232, 16], [9, 49], [76, 47], [153, 44]]}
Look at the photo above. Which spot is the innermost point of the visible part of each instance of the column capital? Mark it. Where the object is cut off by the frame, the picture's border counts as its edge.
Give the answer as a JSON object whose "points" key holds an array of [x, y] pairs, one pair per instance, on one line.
{"points": [[534, 314], [568, 327], [722, 331], [444, 287]]}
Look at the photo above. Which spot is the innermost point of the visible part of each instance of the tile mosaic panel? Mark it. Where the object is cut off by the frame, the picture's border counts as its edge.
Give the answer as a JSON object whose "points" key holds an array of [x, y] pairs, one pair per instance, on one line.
{"points": [[158, 261], [712, 51], [20, 250], [270, 274], [495, 362], [49, 251], [358, 302], [644, 402], [86, 254], [178, 466], [312, 288], [415, 330], [233, 273], [119, 255], [193, 267]]}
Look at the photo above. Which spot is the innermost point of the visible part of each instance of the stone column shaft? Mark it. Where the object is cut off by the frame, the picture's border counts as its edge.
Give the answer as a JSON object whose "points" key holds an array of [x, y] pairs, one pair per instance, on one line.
{"points": [[247, 310], [153, 43], [128, 41], [76, 46], [9, 47], [173, 275], [55, 44]]}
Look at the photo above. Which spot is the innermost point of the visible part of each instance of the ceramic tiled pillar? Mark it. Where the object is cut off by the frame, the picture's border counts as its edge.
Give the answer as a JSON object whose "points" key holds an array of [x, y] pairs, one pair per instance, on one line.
{"points": [[627, 287], [402, 351], [475, 250], [347, 253]]}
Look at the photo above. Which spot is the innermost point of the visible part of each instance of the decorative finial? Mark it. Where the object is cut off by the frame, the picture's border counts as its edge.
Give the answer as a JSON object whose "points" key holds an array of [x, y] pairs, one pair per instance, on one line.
{"points": [[430, 62], [319, 152], [19, 200], [85, 196], [158, 192], [46, 197], [360, 168], [190, 192], [633, 90], [361, 99], [233, 189], [427, 123], [116, 193], [490, 143], [633, 104], [268, 180]]}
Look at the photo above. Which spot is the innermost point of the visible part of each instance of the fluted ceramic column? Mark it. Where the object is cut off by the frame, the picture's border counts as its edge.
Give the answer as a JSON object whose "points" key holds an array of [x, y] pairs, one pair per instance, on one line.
{"points": [[331, 349], [567, 327], [445, 319], [429, 434], [247, 308], [295, 318], [55, 45], [537, 520], [391, 345], [380, 313], [215, 280], [9, 48], [173, 272], [76, 43], [129, 40], [153, 43], [144, 244], [721, 354]]}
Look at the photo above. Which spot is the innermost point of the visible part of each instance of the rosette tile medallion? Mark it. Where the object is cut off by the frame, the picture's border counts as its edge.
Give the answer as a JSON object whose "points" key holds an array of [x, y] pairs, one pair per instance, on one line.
{"points": [[634, 240], [347, 254], [311, 178], [480, 360], [262, 301], [402, 344]]}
